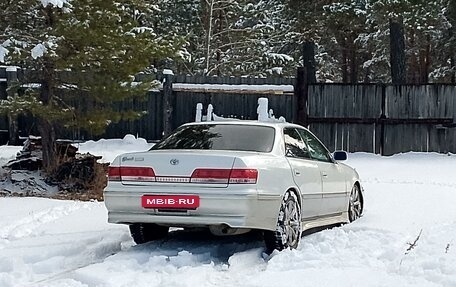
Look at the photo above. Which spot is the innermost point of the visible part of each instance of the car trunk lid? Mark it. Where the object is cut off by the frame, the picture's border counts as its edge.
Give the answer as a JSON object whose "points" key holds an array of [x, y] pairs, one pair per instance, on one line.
{"points": [[176, 168]]}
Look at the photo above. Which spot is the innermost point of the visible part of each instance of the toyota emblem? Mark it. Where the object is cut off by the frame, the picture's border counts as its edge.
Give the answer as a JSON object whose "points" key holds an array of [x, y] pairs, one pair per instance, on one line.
{"points": [[174, 161]]}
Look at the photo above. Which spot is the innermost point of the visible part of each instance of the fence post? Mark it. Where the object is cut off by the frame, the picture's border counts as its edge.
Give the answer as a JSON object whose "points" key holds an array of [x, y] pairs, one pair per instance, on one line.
{"points": [[3, 85], [168, 77], [300, 102], [11, 83], [382, 120]]}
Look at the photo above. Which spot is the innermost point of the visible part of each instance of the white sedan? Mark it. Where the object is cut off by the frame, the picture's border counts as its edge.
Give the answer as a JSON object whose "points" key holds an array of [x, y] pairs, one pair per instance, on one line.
{"points": [[232, 177]]}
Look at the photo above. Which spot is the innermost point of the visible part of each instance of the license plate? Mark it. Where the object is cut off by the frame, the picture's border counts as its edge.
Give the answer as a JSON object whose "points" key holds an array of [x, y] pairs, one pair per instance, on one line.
{"points": [[170, 201]]}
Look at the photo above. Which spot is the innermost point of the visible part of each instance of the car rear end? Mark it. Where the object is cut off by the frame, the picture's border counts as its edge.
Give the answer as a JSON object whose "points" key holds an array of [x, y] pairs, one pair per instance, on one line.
{"points": [[207, 175]]}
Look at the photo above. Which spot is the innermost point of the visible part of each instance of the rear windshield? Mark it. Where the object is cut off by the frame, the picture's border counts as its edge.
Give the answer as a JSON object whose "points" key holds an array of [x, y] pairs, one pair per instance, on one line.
{"points": [[220, 137]]}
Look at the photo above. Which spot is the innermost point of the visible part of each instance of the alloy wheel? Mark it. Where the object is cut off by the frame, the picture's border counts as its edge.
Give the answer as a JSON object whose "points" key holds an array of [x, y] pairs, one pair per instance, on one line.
{"points": [[355, 204]]}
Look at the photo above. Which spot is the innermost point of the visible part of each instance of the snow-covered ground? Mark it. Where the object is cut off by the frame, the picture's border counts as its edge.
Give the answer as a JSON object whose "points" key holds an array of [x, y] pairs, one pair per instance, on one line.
{"points": [[110, 148], [47, 242]]}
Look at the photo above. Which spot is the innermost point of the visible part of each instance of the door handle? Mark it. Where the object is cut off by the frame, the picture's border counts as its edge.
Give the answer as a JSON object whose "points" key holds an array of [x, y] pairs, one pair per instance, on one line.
{"points": [[297, 172], [324, 174]]}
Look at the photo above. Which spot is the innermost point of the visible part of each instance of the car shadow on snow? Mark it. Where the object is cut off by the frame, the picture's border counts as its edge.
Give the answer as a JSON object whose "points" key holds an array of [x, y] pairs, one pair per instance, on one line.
{"points": [[204, 247], [202, 244]]}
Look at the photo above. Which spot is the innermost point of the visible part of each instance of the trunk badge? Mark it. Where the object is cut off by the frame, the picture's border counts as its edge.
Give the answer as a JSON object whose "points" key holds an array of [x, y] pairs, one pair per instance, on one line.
{"points": [[174, 161]]}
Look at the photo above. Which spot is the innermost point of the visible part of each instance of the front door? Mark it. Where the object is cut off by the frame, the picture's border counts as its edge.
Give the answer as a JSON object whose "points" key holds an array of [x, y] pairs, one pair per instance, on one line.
{"points": [[334, 189], [306, 173]]}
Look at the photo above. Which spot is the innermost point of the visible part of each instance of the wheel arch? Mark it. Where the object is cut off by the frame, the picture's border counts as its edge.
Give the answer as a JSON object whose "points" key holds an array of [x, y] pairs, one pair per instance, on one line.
{"points": [[297, 193], [274, 239]]}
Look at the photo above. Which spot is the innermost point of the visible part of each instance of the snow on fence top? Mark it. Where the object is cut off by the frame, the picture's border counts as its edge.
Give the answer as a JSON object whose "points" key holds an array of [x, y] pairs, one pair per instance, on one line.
{"points": [[168, 72], [264, 114], [235, 89], [4, 70]]}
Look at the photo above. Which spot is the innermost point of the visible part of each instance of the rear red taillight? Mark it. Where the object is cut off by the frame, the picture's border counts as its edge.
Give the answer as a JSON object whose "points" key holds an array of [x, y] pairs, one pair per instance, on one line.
{"points": [[243, 176], [233, 176], [204, 175], [114, 173], [131, 173], [199, 175]]}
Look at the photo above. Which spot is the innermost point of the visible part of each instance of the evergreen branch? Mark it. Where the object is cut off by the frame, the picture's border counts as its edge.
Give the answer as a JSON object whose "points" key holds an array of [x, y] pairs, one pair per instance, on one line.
{"points": [[231, 30], [216, 66]]}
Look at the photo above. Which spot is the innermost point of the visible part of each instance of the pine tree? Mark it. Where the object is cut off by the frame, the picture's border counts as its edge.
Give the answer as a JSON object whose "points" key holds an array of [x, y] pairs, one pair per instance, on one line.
{"points": [[424, 22], [242, 37], [83, 51]]}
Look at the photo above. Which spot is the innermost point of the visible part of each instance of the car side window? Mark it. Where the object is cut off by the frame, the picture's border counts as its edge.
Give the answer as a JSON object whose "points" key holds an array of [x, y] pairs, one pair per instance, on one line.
{"points": [[316, 149], [294, 145]]}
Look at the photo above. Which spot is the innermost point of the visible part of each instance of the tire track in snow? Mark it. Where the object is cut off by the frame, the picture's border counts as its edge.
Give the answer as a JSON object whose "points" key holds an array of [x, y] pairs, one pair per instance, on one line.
{"points": [[94, 250], [27, 225], [375, 180], [182, 254], [55, 255]]}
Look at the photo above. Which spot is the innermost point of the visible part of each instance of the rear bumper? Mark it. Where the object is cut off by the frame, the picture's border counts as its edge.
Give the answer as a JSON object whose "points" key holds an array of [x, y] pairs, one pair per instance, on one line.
{"points": [[246, 208]]}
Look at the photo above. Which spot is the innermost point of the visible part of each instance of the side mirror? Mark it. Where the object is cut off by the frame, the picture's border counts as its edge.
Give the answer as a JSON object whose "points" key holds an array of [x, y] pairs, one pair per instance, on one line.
{"points": [[340, 155]]}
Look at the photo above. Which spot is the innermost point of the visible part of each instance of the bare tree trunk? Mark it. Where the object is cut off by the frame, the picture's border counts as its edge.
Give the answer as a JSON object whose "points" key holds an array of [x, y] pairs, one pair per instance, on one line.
{"points": [[310, 64], [210, 5], [353, 64], [367, 71], [168, 104], [453, 72], [344, 65], [12, 84], [45, 125], [397, 51], [452, 33], [425, 62], [305, 75], [342, 42], [47, 132], [13, 130], [219, 52], [413, 66]]}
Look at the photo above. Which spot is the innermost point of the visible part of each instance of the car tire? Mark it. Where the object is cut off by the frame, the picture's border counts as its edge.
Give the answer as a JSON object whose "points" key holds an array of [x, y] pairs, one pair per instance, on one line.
{"points": [[288, 229], [145, 232], [355, 204]]}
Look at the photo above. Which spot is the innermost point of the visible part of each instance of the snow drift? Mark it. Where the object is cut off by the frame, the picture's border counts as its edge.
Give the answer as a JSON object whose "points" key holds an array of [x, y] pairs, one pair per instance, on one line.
{"points": [[63, 243]]}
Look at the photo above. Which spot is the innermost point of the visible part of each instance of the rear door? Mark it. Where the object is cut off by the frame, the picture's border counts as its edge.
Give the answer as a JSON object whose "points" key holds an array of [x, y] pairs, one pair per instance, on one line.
{"points": [[306, 173], [333, 178]]}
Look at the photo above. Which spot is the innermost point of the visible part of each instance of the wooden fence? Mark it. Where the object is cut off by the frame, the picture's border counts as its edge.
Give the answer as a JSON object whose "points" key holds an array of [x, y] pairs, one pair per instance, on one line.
{"points": [[378, 118], [384, 119], [234, 97]]}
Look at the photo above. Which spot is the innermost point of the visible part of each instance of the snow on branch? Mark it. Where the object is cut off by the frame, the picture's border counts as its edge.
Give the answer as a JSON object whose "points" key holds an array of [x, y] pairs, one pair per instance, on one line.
{"points": [[3, 53], [279, 57], [38, 51], [141, 30], [55, 3]]}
